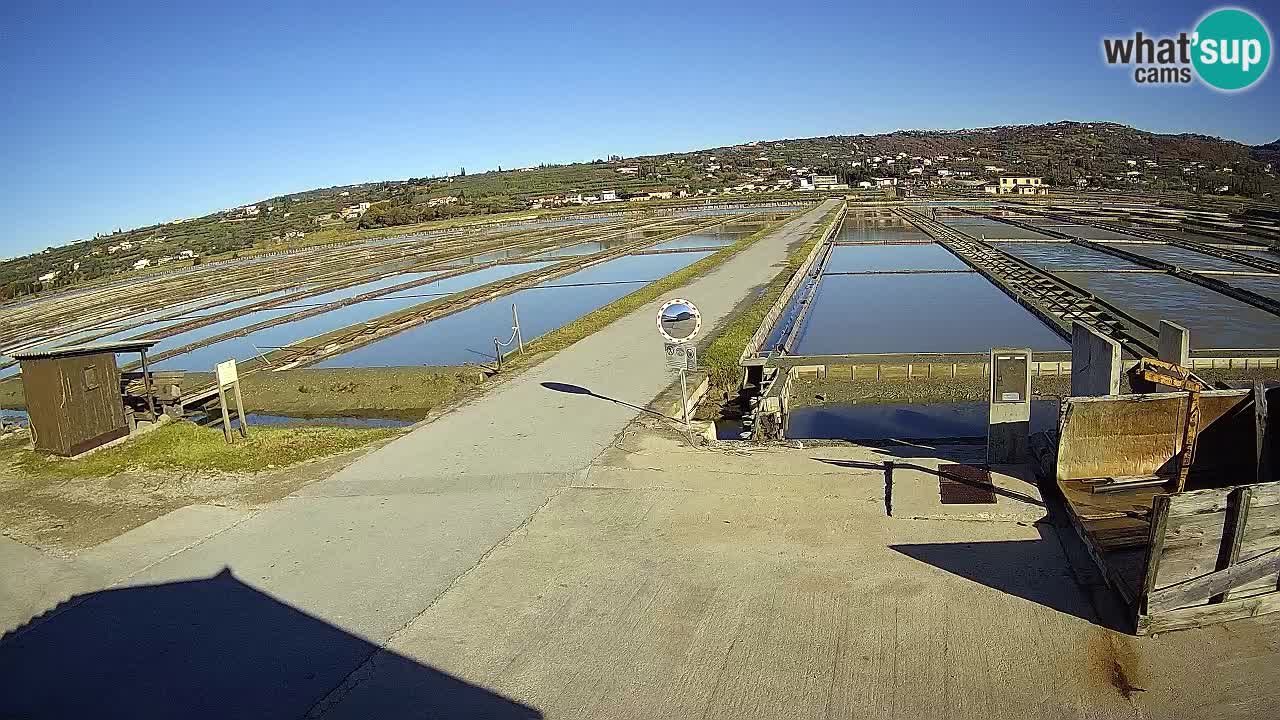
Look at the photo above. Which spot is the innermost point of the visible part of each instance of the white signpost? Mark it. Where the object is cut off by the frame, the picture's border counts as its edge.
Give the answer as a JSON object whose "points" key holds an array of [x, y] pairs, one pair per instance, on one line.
{"points": [[678, 323], [229, 379]]}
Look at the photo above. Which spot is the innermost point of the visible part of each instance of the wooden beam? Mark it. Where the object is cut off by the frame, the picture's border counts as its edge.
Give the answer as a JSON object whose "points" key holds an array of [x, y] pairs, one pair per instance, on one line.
{"points": [[146, 383], [1191, 591], [1261, 445], [1233, 532], [1155, 546], [1202, 615]]}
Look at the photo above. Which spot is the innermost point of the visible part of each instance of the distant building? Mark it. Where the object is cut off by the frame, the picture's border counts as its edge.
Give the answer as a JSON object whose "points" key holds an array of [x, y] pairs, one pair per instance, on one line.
{"points": [[628, 170], [1021, 185], [885, 181], [608, 195], [141, 264], [354, 211]]}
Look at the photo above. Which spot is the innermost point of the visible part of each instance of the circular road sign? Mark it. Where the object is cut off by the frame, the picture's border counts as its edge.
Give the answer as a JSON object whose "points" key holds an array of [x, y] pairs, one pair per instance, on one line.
{"points": [[679, 320]]}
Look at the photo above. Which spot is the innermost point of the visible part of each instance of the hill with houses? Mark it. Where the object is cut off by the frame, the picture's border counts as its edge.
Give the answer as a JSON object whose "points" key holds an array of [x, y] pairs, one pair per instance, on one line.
{"points": [[1094, 156]]}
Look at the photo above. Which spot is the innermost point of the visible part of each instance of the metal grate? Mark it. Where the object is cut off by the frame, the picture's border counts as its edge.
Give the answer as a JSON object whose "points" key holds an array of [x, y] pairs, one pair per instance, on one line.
{"points": [[965, 485]]}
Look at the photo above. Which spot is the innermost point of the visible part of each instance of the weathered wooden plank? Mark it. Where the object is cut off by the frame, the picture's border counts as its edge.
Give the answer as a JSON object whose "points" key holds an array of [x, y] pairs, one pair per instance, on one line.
{"points": [[1261, 445], [1125, 566], [1193, 543], [1202, 615], [1124, 484], [1088, 505], [1233, 534], [1199, 589], [1122, 576], [1118, 533], [1155, 547], [1128, 435], [1212, 500]]}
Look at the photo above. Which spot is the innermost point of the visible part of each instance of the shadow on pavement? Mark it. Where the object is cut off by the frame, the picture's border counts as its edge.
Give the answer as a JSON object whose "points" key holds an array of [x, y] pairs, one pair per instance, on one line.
{"points": [[1033, 570], [213, 647], [579, 390], [888, 470]]}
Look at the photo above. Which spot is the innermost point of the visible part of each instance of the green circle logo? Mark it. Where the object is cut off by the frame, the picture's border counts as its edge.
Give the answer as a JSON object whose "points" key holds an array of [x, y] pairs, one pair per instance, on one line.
{"points": [[1232, 49]]}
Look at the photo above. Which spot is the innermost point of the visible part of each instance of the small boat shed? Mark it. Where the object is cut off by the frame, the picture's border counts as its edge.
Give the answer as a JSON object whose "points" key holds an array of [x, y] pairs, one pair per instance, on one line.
{"points": [[73, 394]]}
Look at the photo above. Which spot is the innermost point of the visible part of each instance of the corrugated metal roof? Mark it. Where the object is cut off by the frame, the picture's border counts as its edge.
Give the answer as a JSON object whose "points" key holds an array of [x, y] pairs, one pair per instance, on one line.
{"points": [[87, 349]]}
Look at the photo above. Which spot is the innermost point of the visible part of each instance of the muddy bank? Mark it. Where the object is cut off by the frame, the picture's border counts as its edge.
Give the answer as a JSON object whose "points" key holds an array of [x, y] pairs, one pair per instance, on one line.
{"points": [[809, 392], [941, 388], [64, 515], [406, 393]]}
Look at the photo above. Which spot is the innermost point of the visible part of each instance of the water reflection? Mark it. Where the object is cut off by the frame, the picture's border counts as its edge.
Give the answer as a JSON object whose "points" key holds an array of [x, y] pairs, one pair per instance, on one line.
{"points": [[1215, 320], [262, 341], [467, 336], [924, 421], [925, 313], [880, 258], [1183, 257], [1065, 256]]}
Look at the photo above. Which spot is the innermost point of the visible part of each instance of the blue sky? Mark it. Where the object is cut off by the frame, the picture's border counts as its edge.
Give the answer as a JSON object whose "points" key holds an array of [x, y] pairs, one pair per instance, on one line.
{"points": [[127, 113]]}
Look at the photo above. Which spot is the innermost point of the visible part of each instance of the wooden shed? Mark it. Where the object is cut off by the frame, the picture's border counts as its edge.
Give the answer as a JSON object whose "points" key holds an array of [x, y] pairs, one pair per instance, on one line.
{"points": [[73, 395]]}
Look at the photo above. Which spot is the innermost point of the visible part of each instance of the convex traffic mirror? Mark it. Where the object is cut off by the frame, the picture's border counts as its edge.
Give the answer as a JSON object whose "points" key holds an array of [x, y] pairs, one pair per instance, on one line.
{"points": [[679, 320]]}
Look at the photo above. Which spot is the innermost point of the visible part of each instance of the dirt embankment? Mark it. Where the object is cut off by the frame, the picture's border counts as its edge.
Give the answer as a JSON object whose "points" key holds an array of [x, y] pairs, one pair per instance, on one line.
{"points": [[407, 393], [942, 388]]}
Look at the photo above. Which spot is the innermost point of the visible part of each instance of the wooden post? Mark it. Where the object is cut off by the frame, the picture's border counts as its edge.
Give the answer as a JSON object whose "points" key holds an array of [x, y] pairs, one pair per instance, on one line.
{"points": [[1233, 533], [1262, 444], [1158, 519], [226, 417], [244, 421], [1190, 433], [227, 377], [146, 382]]}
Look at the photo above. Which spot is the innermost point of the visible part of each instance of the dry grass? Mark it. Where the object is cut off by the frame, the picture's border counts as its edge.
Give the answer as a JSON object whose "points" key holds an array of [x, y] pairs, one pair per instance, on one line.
{"points": [[184, 446]]}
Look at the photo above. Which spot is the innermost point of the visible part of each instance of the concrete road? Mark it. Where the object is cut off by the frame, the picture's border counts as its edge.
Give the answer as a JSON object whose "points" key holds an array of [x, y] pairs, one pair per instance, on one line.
{"points": [[675, 582], [351, 560]]}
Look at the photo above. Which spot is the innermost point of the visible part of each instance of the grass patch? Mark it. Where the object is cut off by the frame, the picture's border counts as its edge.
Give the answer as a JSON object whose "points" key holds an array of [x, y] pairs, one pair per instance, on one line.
{"points": [[721, 356], [185, 446], [594, 321], [408, 392]]}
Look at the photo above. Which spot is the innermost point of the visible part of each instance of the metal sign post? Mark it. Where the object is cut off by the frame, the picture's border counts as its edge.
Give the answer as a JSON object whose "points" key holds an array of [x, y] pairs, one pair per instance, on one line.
{"points": [[229, 379], [678, 323], [1009, 425], [683, 357], [684, 398]]}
